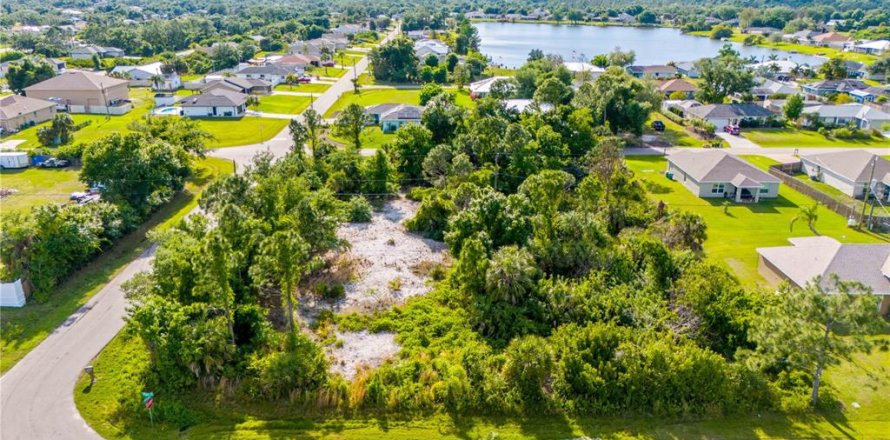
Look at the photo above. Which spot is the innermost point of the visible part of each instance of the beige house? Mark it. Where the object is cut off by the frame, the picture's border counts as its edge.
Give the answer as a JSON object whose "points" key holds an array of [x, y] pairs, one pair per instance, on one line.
{"points": [[717, 174], [20, 111], [83, 92]]}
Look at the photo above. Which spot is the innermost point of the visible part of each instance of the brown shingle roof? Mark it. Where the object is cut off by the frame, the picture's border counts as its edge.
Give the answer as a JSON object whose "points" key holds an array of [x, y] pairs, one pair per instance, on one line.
{"points": [[14, 105], [77, 81]]}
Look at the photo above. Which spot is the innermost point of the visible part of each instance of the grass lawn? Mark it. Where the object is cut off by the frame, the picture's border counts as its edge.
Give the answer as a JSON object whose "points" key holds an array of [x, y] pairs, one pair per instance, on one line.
{"points": [[113, 409], [282, 104], [305, 88], [793, 138], [243, 131], [190, 77], [335, 72], [372, 137], [23, 329], [385, 96], [674, 133], [799, 48], [37, 186], [733, 237]]}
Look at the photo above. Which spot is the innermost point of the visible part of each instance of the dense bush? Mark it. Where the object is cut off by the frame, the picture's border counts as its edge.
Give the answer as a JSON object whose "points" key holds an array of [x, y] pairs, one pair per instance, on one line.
{"points": [[359, 210]]}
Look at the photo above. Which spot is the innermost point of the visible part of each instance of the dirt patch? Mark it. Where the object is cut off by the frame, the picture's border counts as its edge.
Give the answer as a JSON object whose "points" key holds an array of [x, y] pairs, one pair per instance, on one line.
{"points": [[357, 350], [388, 257]]}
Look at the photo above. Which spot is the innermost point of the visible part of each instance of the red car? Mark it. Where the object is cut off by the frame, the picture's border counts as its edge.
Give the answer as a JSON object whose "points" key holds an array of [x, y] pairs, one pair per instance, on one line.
{"points": [[304, 80], [732, 129]]}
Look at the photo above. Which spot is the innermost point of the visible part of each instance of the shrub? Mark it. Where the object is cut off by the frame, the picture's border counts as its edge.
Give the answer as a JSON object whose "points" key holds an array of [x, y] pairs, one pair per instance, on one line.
{"points": [[359, 210]]}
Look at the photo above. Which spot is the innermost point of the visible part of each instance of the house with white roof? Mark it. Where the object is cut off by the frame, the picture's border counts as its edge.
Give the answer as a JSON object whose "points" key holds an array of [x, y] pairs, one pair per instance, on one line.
{"points": [[717, 174], [482, 87], [273, 73], [860, 115], [424, 48], [810, 258], [145, 75], [584, 70], [768, 87], [87, 52], [849, 171], [875, 47]]}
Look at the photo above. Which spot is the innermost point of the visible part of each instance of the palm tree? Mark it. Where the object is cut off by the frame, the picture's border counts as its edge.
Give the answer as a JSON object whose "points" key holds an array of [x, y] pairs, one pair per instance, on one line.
{"points": [[808, 214], [156, 81]]}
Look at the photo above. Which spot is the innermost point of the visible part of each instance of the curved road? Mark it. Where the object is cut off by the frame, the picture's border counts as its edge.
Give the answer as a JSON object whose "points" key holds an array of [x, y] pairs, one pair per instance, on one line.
{"points": [[37, 394]]}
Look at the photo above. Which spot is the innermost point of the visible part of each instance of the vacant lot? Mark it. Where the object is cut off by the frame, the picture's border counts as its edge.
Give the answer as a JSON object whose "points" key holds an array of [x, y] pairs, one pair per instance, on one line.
{"points": [[282, 104], [371, 138], [734, 236], [390, 96], [793, 138], [674, 134], [37, 186]]}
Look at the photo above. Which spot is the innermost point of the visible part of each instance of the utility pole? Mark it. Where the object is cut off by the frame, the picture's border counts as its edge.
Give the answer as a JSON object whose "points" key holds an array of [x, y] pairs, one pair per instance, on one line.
{"points": [[874, 161]]}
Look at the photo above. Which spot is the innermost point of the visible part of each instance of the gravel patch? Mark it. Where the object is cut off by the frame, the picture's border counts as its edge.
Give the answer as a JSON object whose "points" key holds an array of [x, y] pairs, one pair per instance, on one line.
{"points": [[361, 350]]}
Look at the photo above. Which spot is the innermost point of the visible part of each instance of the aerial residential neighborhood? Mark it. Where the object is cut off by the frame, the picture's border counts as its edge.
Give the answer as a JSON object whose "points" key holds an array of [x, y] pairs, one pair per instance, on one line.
{"points": [[529, 219]]}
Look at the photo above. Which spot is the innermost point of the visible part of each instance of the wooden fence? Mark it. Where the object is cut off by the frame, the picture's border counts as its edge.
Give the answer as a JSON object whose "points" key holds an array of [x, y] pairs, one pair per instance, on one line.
{"points": [[785, 173]]}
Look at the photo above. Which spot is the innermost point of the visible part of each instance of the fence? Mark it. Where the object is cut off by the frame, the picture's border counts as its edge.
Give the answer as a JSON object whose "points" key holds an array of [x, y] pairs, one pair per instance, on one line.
{"points": [[785, 173]]}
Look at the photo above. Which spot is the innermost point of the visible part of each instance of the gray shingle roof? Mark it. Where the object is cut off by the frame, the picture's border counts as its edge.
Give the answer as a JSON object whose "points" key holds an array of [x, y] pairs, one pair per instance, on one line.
{"points": [[727, 111], [216, 98], [717, 166], [854, 165]]}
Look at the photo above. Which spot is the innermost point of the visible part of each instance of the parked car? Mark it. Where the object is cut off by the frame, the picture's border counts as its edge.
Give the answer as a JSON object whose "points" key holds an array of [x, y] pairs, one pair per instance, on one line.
{"points": [[55, 163], [305, 80], [328, 63], [732, 129], [658, 125]]}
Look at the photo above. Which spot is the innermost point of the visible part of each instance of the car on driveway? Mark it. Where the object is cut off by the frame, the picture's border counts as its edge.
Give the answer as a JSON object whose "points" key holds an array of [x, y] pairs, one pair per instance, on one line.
{"points": [[658, 125], [54, 163], [732, 129]]}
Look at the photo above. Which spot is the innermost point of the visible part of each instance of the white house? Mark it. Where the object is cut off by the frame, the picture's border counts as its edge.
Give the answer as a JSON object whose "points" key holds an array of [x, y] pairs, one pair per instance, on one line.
{"points": [[273, 73], [717, 174], [722, 115], [875, 47], [810, 257], [860, 115], [424, 48], [585, 70], [482, 87], [849, 171], [87, 52], [216, 103], [143, 76]]}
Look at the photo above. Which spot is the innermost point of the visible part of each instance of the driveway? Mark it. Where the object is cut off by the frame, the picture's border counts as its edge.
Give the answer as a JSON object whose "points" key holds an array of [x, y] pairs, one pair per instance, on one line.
{"points": [[738, 142], [36, 395]]}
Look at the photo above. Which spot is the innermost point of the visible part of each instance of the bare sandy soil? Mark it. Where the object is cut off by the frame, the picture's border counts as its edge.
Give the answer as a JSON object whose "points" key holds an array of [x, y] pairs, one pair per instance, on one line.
{"points": [[389, 267]]}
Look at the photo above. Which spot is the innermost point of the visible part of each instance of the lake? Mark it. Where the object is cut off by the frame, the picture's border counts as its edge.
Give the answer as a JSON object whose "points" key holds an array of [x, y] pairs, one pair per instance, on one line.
{"points": [[508, 44]]}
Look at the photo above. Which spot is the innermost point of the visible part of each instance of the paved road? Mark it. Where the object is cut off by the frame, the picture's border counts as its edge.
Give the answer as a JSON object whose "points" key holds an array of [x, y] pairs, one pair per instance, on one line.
{"points": [[36, 395]]}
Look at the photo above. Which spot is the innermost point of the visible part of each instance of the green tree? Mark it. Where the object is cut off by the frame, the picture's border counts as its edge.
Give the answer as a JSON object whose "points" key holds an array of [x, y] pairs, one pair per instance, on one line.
{"points": [[720, 32], [27, 72], [552, 91], [379, 175], [721, 77], [59, 132], [394, 61], [411, 145], [429, 91], [817, 326], [184, 132], [619, 100], [809, 214], [350, 123], [299, 134], [284, 259], [314, 124], [600, 60], [793, 107], [621, 59], [834, 68]]}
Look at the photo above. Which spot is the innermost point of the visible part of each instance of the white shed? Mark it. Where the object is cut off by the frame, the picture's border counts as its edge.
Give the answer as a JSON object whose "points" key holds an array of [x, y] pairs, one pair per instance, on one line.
{"points": [[14, 159], [12, 294]]}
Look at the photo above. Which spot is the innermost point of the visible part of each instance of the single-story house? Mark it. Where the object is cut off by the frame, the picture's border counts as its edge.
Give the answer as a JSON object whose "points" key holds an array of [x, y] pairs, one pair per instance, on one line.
{"points": [[143, 76], [803, 37], [860, 115], [722, 115], [717, 174], [87, 52], [688, 69], [774, 67], [679, 105], [521, 105], [482, 87], [810, 257], [831, 87], [298, 62], [424, 48], [57, 65], [349, 29], [17, 111], [768, 88], [84, 92], [586, 70], [849, 171], [875, 47], [777, 106], [240, 85], [419, 34], [216, 103], [763, 30], [623, 18], [671, 86], [655, 72], [316, 47], [390, 117], [832, 39], [273, 73], [870, 94], [164, 99]]}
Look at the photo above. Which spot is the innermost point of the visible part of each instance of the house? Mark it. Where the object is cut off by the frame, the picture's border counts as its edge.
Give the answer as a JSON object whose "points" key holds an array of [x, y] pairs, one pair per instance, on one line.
{"points": [[722, 115], [421, 34], [832, 87], [680, 106], [273, 73], [870, 94], [623, 18], [860, 115], [150, 74], [84, 92], [390, 117], [717, 174], [832, 39], [349, 29], [482, 87], [688, 69], [424, 48], [803, 37], [18, 111], [87, 52], [240, 85], [765, 31], [777, 106], [164, 99], [586, 70], [768, 87], [875, 47], [316, 47], [849, 171], [215, 103], [775, 67], [675, 85], [297, 61], [655, 72], [521, 105], [810, 257], [57, 65]]}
